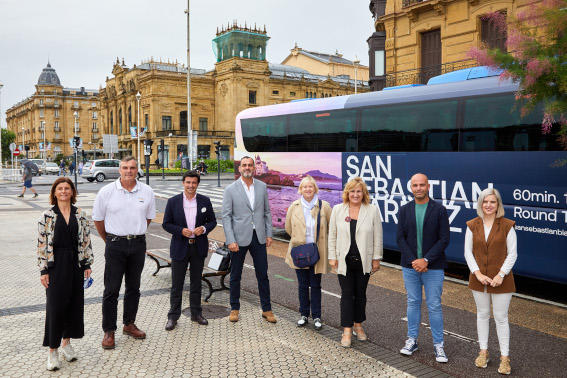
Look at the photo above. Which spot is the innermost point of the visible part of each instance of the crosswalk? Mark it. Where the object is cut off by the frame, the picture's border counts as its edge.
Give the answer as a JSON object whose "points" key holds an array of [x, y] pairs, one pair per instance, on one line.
{"points": [[214, 193]]}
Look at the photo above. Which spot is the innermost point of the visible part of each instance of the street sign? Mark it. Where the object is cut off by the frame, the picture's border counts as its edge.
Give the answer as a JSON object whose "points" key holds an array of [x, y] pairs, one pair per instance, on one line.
{"points": [[16, 152], [110, 143], [12, 147]]}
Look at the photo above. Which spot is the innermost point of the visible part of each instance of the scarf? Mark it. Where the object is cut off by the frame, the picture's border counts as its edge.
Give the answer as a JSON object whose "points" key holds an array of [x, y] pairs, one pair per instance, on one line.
{"points": [[310, 222]]}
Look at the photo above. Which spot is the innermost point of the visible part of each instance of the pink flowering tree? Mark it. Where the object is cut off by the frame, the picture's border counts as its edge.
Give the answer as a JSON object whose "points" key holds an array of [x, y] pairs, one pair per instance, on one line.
{"points": [[536, 56]]}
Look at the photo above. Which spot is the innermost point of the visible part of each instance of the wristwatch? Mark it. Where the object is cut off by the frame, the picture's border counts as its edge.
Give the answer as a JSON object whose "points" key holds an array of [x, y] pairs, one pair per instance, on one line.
{"points": [[501, 274], [425, 258]]}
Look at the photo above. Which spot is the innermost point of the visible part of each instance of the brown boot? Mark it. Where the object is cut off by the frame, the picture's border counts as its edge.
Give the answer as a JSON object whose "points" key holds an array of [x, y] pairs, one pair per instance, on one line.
{"points": [[269, 316], [108, 340], [135, 332], [233, 316]]}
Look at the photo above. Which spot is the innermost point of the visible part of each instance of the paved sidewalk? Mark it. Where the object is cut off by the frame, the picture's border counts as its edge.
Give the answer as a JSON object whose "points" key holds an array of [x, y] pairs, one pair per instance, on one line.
{"points": [[251, 347]]}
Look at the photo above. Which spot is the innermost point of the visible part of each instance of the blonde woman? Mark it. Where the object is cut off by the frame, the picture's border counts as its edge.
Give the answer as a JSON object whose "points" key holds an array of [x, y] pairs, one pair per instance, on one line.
{"points": [[301, 225], [490, 251], [355, 251]]}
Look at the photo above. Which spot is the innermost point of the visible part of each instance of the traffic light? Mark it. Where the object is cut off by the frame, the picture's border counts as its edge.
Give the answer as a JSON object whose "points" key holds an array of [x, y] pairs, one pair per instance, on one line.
{"points": [[26, 147], [77, 141], [217, 148], [148, 146]]}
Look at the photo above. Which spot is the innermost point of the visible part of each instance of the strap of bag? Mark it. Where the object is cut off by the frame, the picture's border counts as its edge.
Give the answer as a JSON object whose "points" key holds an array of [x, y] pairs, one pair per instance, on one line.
{"points": [[318, 221]]}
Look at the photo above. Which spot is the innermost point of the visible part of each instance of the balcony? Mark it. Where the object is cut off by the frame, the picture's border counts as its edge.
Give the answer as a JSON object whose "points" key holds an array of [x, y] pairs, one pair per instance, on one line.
{"points": [[414, 8], [57, 137], [216, 134], [166, 133], [423, 74]]}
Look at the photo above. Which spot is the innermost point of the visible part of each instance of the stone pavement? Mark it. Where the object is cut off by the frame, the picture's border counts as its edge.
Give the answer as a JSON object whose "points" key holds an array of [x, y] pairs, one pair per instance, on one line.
{"points": [[251, 347]]}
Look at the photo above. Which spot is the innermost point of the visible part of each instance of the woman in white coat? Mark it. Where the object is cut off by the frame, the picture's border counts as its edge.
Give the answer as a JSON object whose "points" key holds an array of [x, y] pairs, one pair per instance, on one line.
{"points": [[355, 251]]}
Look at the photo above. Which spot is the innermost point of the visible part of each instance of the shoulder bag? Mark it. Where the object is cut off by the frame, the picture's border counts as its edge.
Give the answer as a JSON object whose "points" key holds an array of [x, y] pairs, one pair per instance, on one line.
{"points": [[307, 255]]}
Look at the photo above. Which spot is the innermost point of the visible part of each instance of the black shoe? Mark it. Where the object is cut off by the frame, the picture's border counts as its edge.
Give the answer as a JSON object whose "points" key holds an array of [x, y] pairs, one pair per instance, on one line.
{"points": [[21, 196], [35, 195], [171, 323], [199, 319]]}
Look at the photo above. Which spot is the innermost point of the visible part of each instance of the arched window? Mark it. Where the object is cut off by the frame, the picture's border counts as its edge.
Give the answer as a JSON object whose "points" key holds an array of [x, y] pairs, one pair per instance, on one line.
{"points": [[120, 122], [111, 122], [129, 115]]}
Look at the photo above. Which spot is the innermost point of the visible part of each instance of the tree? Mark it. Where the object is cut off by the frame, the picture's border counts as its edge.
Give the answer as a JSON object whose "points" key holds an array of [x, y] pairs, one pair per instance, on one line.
{"points": [[536, 56], [7, 138]]}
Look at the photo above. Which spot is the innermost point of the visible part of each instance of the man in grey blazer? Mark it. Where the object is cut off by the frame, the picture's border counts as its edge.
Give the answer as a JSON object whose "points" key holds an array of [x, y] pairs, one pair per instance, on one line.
{"points": [[247, 223]]}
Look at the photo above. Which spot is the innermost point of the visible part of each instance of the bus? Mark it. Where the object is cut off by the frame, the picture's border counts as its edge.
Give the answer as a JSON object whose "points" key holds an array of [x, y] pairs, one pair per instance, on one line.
{"points": [[464, 135]]}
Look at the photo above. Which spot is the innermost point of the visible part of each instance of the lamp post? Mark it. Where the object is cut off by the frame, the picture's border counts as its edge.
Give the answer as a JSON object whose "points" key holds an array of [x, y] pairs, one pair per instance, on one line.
{"points": [[24, 139], [75, 146], [189, 131], [138, 96], [356, 63]]}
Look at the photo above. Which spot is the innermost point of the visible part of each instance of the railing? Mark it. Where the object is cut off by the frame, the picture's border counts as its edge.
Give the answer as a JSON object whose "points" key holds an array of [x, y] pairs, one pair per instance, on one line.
{"points": [[11, 174], [407, 3], [423, 74], [166, 133]]}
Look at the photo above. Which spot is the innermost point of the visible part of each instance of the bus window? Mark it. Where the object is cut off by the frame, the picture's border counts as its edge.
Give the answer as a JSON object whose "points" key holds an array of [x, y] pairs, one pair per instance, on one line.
{"points": [[410, 127], [494, 123], [329, 131], [264, 134]]}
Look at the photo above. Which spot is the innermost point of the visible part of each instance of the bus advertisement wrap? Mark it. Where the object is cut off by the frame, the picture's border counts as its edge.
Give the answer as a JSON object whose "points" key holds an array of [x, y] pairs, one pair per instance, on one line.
{"points": [[456, 179]]}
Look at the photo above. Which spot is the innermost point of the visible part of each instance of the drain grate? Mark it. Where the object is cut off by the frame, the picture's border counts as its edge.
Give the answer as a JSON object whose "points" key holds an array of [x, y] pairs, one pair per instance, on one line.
{"points": [[210, 311]]}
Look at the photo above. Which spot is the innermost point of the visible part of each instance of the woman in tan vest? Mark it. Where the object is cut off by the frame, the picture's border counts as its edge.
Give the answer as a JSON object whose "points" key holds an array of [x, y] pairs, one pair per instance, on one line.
{"points": [[301, 225], [490, 251]]}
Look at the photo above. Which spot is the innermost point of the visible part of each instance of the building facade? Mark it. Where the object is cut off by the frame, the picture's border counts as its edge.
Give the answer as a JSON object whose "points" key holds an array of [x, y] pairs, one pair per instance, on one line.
{"points": [[415, 40], [47, 120], [242, 78]]}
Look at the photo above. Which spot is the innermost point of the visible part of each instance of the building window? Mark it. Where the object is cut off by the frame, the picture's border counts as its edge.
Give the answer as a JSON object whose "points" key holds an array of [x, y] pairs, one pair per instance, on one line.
{"points": [[146, 121], [56, 113], [95, 115], [379, 64], [292, 94], [490, 35], [42, 126], [120, 121], [252, 97], [275, 92], [111, 123], [93, 104], [203, 151], [183, 120], [166, 122], [129, 116], [41, 113], [94, 126], [56, 125], [40, 101], [56, 102], [203, 124], [76, 104]]}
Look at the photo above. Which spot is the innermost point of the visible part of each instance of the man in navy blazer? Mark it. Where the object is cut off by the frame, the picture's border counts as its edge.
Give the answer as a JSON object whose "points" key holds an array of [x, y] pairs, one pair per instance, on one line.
{"points": [[423, 235], [189, 217]]}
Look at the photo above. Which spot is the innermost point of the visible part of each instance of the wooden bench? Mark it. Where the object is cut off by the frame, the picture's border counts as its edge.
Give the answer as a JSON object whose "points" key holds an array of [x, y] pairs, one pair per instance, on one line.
{"points": [[162, 260]]}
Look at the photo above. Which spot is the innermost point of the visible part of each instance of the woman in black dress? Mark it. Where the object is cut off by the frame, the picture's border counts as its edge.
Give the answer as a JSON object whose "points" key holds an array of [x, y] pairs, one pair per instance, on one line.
{"points": [[64, 258]]}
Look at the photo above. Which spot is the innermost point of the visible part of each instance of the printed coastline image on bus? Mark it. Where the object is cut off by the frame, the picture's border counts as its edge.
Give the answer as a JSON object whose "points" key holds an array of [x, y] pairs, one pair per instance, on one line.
{"points": [[465, 135]]}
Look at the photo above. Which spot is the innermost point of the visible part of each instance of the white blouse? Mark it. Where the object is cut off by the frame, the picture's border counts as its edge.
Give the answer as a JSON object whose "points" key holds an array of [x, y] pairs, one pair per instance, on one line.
{"points": [[511, 245]]}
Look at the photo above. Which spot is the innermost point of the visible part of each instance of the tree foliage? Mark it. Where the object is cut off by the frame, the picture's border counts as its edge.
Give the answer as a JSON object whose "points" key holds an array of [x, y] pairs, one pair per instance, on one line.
{"points": [[536, 56], [7, 138]]}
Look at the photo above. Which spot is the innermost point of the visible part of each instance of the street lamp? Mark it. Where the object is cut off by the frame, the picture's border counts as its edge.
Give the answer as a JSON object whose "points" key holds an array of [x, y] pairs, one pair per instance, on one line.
{"points": [[356, 63], [75, 146], [24, 139], [138, 96], [189, 131]]}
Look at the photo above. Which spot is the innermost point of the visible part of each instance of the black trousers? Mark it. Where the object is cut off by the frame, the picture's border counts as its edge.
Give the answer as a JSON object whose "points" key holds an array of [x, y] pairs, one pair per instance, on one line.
{"points": [[123, 258], [353, 296], [178, 272]]}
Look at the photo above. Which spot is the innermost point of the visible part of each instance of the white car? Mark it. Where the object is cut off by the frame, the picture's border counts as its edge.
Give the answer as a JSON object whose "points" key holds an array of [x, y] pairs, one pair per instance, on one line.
{"points": [[51, 168]]}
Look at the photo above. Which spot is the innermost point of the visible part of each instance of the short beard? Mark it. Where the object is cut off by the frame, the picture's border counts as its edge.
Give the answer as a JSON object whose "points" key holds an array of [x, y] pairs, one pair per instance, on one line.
{"points": [[247, 175]]}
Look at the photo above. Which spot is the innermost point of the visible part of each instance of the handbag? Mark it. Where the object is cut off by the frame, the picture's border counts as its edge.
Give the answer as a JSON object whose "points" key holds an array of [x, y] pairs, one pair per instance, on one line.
{"points": [[307, 255], [220, 259]]}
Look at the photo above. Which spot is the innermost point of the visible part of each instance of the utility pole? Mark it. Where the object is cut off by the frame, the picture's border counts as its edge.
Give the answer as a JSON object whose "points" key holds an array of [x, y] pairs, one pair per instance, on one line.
{"points": [[75, 148], [189, 130]]}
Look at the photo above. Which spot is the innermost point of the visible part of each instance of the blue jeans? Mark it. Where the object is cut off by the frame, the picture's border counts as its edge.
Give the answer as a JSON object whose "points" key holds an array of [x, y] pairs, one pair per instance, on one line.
{"points": [[260, 259], [432, 282], [307, 278]]}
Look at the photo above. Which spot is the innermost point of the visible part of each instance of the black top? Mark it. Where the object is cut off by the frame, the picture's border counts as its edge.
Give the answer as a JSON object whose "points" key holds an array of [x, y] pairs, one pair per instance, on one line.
{"points": [[66, 235], [353, 260]]}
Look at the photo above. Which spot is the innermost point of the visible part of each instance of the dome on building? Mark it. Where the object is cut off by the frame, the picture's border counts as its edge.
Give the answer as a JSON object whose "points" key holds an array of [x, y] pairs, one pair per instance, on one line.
{"points": [[48, 76]]}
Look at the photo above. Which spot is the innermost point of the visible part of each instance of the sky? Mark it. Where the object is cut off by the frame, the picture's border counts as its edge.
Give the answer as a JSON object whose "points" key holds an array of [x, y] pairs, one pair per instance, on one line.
{"points": [[82, 39]]}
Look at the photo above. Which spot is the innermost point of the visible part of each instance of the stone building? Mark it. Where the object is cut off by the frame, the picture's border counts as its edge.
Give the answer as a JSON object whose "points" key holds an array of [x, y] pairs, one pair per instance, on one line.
{"points": [[241, 78], [417, 39], [326, 64], [47, 118]]}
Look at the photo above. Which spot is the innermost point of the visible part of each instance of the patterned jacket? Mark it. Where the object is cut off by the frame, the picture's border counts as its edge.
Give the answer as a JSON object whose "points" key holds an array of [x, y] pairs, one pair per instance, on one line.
{"points": [[46, 229]]}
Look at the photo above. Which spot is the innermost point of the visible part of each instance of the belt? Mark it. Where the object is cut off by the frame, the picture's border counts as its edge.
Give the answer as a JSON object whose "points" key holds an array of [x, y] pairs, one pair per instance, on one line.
{"points": [[192, 241], [126, 237]]}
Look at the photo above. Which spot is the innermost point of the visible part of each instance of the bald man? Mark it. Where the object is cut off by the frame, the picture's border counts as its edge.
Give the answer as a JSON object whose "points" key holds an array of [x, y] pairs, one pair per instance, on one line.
{"points": [[423, 235]]}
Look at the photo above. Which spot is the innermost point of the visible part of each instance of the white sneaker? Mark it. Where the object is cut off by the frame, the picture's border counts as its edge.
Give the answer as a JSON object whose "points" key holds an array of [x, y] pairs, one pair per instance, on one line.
{"points": [[69, 353], [440, 355], [53, 360], [302, 321], [317, 324], [410, 347]]}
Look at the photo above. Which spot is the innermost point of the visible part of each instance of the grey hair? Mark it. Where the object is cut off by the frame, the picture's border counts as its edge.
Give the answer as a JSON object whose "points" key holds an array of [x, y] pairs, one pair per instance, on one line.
{"points": [[488, 192], [308, 180]]}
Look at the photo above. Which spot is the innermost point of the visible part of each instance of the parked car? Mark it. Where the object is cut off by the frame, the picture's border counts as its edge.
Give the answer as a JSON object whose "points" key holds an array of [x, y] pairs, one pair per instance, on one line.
{"points": [[51, 168], [102, 169]]}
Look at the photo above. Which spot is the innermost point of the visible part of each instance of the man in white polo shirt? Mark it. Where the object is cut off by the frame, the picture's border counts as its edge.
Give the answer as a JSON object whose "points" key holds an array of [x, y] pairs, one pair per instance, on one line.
{"points": [[122, 212]]}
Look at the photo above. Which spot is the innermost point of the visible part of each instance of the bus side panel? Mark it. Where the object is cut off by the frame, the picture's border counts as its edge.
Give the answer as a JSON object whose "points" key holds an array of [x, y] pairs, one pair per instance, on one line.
{"points": [[533, 186]]}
